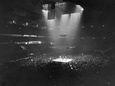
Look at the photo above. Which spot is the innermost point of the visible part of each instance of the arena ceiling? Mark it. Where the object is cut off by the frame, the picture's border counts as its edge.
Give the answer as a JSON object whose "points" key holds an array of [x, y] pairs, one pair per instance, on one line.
{"points": [[101, 11]]}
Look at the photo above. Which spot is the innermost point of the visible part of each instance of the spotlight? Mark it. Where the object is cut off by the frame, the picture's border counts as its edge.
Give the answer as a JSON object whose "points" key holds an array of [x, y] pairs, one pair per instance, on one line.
{"points": [[66, 25], [45, 7], [49, 6], [51, 10], [80, 7]]}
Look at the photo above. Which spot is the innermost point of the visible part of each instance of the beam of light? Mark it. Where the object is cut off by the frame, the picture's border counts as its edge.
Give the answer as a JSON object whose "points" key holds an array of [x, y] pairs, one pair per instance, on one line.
{"points": [[74, 19], [54, 32], [74, 23], [72, 27], [45, 13], [64, 24], [51, 25], [68, 24]]}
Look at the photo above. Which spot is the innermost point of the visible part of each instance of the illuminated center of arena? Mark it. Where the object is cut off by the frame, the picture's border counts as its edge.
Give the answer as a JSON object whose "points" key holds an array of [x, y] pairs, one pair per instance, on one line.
{"points": [[62, 59]]}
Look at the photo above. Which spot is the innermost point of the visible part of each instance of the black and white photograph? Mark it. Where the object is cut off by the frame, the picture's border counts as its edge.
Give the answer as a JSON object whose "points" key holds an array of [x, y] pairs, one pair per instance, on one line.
{"points": [[57, 42]]}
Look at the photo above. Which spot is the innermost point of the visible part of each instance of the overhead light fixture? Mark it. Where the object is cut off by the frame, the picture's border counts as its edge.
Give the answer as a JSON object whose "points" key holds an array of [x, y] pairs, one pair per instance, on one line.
{"points": [[50, 7], [81, 8], [45, 7]]}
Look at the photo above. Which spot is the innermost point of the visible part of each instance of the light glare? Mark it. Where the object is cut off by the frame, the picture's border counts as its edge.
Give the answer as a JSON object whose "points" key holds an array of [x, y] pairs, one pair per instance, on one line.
{"points": [[63, 60]]}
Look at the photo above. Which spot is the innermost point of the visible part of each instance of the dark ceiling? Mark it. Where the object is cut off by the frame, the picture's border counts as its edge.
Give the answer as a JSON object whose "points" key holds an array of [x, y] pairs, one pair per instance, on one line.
{"points": [[104, 5], [96, 11], [107, 6]]}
